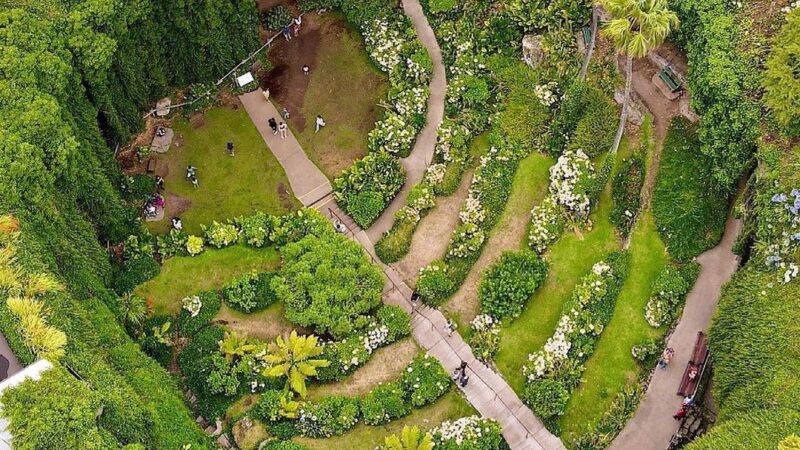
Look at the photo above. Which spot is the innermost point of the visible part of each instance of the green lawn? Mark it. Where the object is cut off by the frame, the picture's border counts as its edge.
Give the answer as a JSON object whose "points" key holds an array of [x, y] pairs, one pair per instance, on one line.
{"points": [[345, 87], [450, 407], [181, 276], [251, 180], [611, 366]]}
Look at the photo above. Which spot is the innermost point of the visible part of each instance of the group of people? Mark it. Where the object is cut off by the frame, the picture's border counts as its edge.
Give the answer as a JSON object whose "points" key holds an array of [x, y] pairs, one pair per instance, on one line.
{"points": [[278, 127], [688, 402], [152, 205], [293, 29], [666, 357], [460, 374]]}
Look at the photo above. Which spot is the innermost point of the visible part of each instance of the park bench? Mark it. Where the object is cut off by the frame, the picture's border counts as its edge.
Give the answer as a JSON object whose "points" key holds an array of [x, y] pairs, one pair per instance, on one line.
{"points": [[151, 165], [696, 366], [587, 36], [672, 81]]}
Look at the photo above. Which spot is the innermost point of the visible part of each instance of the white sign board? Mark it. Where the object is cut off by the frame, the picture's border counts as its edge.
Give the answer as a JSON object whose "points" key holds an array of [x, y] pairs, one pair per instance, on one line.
{"points": [[245, 79]]}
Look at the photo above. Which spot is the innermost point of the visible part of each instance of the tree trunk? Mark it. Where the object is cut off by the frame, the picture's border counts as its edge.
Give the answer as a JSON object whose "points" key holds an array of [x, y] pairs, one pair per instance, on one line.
{"points": [[625, 101], [590, 48]]}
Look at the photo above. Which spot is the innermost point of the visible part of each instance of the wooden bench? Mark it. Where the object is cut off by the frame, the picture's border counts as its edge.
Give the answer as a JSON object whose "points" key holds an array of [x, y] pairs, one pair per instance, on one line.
{"points": [[670, 79], [587, 36], [151, 165]]}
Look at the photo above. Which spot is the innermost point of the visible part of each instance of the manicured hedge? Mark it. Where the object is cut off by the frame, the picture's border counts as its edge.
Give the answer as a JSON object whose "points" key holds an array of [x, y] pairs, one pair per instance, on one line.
{"points": [[508, 285], [368, 186], [689, 211], [626, 193], [250, 292]]}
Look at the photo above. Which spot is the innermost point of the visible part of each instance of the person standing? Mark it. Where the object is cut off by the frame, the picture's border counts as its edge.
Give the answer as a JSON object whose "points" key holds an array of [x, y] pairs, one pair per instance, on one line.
{"points": [[296, 23], [285, 113], [306, 69], [287, 33], [319, 124], [282, 128], [230, 148], [273, 125], [159, 183]]}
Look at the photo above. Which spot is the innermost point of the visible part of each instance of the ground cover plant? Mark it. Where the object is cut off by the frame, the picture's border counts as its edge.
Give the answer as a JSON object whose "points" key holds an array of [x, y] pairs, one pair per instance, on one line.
{"points": [[689, 210]]}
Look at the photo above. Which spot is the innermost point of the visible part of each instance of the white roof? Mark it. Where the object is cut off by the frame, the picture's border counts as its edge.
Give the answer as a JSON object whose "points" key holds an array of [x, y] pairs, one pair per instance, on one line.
{"points": [[245, 79], [34, 372]]}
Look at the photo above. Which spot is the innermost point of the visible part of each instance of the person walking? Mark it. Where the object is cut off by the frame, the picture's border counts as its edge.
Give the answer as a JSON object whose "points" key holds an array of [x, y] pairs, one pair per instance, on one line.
{"points": [[666, 356], [287, 33], [282, 128], [296, 29], [159, 183], [319, 124], [306, 69], [266, 94], [273, 125], [451, 326], [230, 148], [464, 380]]}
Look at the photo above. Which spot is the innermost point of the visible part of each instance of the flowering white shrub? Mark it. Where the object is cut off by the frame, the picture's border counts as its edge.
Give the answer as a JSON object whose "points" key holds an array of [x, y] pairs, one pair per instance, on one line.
{"points": [[192, 304], [384, 43], [435, 174], [547, 224], [411, 101], [467, 432], [547, 93], [485, 337], [570, 179], [778, 234], [467, 238], [472, 211], [392, 134]]}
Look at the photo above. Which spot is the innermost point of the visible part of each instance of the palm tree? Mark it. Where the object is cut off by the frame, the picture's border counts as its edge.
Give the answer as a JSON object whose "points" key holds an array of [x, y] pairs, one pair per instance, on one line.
{"points": [[294, 359], [636, 26], [410, 439]]}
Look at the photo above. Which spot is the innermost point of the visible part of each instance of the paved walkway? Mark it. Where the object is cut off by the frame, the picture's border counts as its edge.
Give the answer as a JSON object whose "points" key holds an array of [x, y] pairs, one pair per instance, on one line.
{"points": [[308, 183], [653, 426], [422, 153]]}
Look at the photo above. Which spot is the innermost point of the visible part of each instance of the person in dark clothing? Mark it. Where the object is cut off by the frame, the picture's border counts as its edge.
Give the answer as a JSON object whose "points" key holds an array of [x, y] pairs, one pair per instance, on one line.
{"points": [[273, 125], [287, 33], [230, 148], [463, 380], [159, 183]]}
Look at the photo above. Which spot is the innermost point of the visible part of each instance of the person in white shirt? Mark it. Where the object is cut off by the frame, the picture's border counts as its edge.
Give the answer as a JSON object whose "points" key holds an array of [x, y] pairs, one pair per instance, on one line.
{"points": [[320, 123], [282, 127]]}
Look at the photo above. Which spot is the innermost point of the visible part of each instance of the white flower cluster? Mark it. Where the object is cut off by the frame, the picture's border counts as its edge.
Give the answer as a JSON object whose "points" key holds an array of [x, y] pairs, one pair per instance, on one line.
{"points": [[425, 200], [547, 224], [547, 93], [779, 234], [577, 321], [435, 174], [392, 134], [461, 431], [472, 211], [376, 338], [484, 322], [192, 304], [467, 238], [411, 101], [569, 177], [384, 43], [788, 8]]}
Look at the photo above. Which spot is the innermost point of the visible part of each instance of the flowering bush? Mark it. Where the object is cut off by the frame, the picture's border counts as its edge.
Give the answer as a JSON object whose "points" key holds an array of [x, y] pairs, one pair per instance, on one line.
{"points": [[332, 416], [547, 224], [433, 285], [484, 338], [192, 305], [646, 351], [468, 433], [394, 135], [506, 286], [255, 228], [425, 380], [379, 176], [547, 93], [467, 239], [221, 235], [585, 315], [194, 245], [666, 295], [626, 193], [383, 404], [570, 181]]}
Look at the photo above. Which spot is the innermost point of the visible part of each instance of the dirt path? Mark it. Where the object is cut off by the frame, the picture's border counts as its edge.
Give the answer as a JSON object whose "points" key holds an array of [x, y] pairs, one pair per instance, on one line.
{"points": [[433, 232], [386, 364], [653, 425]]}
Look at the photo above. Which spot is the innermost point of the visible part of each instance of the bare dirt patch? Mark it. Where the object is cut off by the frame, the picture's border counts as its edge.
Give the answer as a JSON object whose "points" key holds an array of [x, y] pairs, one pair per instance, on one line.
{"points": [[197, 120], [386, 364], [285, 196], [265, 325], [177, 205], [433, 233]]}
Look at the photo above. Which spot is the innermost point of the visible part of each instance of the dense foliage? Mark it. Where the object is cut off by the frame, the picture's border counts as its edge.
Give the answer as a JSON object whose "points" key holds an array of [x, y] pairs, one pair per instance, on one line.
{"points": [[626, 193], [327, 282], [782, 77], [689, 210], [506, 286], [250, 292], [368, 186]]}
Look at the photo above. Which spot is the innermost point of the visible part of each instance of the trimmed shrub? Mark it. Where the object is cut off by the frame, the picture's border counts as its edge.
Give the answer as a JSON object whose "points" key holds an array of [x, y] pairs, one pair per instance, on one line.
{"points": [[220, 235], [434, 285], [548, 398], [425, 380], [189, 325], [365, 207], [508, 285], [596, 130], [267, 407], [469, 433], [394, 245], [276, 18], [689, 211], [251, 292], [385, 403], [327, 283], [332, 416], [368, 186], [397, 322], [255, 229]]}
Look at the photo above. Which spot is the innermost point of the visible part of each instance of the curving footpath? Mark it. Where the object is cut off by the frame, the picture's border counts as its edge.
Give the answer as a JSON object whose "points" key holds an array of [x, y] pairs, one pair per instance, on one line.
{"points": [[422, 153], [487, 391], [653, 426]]}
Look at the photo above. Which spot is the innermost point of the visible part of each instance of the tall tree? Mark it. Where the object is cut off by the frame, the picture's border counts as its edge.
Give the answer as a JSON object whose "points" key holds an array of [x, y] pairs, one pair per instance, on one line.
{"points": [[636, 26]]}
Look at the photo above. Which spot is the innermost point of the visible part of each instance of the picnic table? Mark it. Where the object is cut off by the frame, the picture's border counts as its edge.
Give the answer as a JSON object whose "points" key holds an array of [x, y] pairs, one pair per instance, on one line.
{"points": [[695, 367]]}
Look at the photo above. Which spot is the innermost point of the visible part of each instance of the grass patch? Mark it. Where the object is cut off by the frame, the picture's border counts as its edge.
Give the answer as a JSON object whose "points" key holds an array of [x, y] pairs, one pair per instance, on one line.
{"points": [[251, 180], [611, 367], [345, 87], [181, 276], [451, 406], [689, 212]]}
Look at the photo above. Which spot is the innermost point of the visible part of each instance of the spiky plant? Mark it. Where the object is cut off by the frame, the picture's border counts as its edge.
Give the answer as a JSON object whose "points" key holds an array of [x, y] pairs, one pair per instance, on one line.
{"points": [[295, 359], [410, 438]]}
